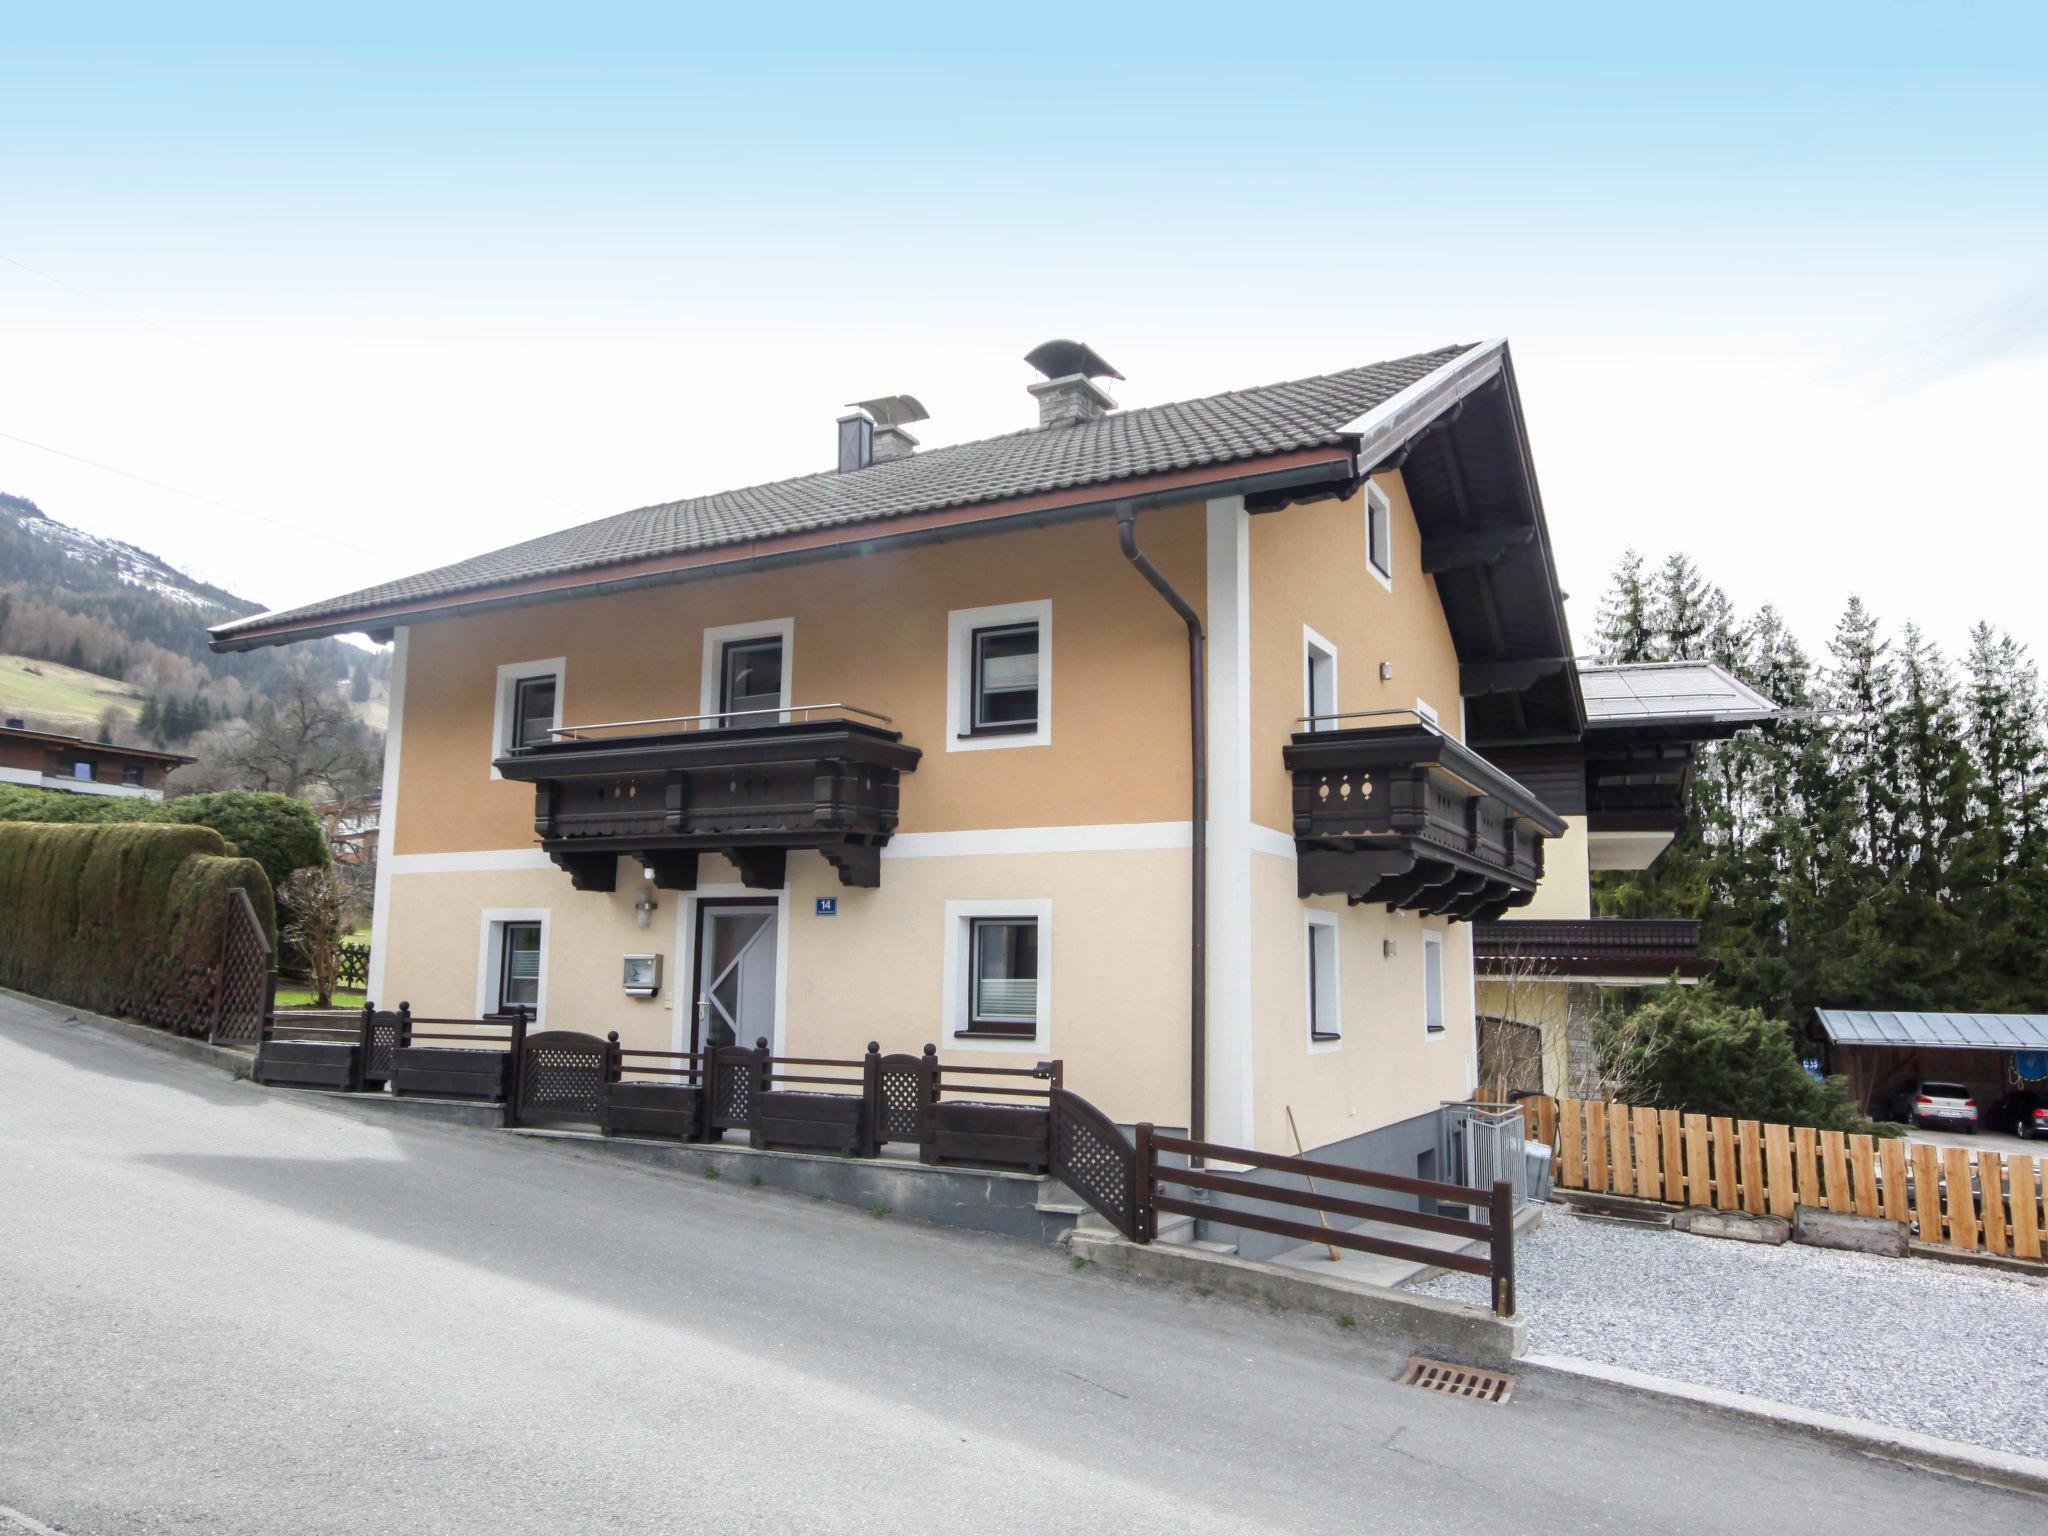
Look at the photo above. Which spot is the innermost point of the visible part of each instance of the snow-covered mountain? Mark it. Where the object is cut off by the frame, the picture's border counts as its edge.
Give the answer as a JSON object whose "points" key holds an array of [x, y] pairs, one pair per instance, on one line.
{"points": [[99, 560]]}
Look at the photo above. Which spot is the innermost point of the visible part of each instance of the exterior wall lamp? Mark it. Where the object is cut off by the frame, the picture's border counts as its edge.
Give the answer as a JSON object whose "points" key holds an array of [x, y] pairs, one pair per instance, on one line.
{"points": [[644, 908]]}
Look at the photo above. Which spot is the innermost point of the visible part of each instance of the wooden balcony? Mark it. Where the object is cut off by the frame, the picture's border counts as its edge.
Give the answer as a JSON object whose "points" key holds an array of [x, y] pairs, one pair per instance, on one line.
{"points": [[1592, 948], [753, 787], [1399, 813]]}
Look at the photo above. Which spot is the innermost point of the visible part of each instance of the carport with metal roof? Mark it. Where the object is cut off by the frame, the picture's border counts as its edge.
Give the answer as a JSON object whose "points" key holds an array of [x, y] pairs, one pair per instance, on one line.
{"points": [[1877, 1049]]}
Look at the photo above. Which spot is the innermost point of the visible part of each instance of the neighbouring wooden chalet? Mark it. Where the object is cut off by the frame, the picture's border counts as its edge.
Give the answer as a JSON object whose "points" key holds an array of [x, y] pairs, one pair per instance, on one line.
{"points": [[1190, 744], [77, 765], [1621, 788]]}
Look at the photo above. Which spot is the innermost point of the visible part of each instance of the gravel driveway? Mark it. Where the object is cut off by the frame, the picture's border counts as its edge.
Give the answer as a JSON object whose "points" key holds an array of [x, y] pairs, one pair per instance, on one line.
{"points": [[1913, 1343]]}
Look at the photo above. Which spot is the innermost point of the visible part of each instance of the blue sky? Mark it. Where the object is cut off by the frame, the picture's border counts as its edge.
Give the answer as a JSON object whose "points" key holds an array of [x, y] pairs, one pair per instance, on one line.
{"points": [[1774, 276]]}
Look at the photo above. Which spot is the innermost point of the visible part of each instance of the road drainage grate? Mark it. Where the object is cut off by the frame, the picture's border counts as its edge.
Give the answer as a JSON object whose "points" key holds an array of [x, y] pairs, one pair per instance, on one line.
{"points": [[1458, 1380]]}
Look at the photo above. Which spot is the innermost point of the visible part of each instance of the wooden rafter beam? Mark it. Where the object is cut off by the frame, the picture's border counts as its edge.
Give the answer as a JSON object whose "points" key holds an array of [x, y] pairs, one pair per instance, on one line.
{"points": [[1481, 677], [1461, 551]]}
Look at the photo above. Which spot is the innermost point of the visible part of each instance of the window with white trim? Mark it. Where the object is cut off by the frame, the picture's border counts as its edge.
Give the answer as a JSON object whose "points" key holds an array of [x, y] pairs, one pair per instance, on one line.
{"points": [[529, 705], [1432, 983], [1325, 1014], [1379, 533], [746, 671], [999, 677], [1318, 681], [998, 957]]}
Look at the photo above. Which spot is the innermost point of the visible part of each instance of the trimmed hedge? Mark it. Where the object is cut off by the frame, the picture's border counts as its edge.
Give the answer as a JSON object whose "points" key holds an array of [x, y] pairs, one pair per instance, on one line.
{"points": [[124, 919], [278, 832]]}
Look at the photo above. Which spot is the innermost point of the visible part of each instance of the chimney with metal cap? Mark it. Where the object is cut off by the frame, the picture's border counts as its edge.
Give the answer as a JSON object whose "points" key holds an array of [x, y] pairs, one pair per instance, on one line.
{"points": [[1070, 395], [891, 415]]}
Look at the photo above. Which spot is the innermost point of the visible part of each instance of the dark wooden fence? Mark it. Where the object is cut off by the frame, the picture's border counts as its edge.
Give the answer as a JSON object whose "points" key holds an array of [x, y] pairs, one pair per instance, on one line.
{"points": [[353, 973], [246, 989], [972, 1116], [1497, 1263]]}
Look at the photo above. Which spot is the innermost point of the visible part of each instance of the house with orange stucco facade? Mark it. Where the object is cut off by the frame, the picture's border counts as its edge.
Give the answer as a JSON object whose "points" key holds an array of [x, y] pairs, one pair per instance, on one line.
{"points": [[1164, 741]]}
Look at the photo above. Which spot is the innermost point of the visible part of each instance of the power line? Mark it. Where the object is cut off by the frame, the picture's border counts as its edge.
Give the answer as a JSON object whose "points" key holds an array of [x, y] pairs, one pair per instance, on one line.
{"points": [[195, 496]]}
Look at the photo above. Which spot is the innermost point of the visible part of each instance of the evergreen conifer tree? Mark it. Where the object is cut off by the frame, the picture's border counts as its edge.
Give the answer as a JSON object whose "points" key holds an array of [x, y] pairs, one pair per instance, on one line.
{"points": [[1626, 630]]}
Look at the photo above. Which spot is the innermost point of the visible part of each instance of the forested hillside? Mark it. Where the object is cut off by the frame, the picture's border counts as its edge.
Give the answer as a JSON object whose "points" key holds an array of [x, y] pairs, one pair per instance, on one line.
{"points": [[1885, 843], [111, 610]]}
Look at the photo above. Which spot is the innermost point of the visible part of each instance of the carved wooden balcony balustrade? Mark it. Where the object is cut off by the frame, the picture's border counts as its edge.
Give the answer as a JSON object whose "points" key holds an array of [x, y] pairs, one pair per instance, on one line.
{"points": [[751, 785], [1592, 948], [1399, 813]]}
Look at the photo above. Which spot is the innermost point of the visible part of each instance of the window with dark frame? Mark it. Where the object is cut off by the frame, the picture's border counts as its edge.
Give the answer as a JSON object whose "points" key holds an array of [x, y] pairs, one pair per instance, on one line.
{"points": [[1323, 1022], [519, 966], [1004, 680], [533, 711], [1379, 531], [750, 678], [1002, 987], [132, 776]]}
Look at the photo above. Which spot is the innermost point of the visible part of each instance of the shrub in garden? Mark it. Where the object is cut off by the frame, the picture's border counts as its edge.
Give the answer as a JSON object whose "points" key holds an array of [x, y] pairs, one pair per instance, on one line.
{"points": [[124, 919], [1689, 1050], [278, 832]]}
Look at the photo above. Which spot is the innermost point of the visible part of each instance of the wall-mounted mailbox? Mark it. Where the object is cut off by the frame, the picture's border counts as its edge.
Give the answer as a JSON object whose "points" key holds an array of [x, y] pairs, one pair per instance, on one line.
{"points": [[642, 975]]}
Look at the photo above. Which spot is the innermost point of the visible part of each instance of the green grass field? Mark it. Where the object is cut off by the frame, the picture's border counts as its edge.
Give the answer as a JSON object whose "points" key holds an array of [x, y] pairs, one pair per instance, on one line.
{"points": [[61, 695]]}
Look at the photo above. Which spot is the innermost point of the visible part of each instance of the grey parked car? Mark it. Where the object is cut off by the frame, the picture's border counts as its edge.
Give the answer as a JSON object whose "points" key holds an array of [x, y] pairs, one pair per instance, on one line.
{"points": [[1927, 1102]]}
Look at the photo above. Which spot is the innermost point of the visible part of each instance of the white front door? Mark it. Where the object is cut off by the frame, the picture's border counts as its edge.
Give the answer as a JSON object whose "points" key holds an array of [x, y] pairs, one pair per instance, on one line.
{"points": [[735, 974]]}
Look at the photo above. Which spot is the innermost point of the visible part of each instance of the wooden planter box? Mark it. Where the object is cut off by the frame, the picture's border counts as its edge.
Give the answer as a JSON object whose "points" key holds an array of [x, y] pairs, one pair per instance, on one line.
{"points": [[810, 1122], [449, 1073], [307, 1064], [989, 1135], [672, 1110]]}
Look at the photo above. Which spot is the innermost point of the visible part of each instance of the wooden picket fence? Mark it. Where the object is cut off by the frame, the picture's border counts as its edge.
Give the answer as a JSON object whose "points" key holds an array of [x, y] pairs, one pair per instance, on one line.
{"points": [[1959, 1197]]}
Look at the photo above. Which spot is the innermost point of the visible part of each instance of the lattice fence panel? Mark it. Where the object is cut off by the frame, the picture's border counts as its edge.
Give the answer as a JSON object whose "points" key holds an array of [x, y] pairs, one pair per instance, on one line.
{"points": [[903, 1095], [563, 1079], [732, 1101], [1091, 1157], [244, 999], [384, 1029]]}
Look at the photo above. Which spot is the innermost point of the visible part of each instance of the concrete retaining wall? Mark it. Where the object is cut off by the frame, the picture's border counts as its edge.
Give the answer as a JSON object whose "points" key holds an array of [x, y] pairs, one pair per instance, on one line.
{"points": [[983, 1200], [1450, 1330]]}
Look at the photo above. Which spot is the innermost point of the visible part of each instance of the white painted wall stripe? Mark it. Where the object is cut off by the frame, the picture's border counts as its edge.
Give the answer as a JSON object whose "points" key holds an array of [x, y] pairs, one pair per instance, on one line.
{"points": [[387, 820], [1230, 823], [477, 862], [1109, 837]]}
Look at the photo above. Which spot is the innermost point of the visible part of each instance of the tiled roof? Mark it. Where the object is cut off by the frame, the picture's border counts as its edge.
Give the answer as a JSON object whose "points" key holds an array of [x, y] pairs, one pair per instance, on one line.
{"points": [[1961, 1031], [1660, 691], [1217, 429]]}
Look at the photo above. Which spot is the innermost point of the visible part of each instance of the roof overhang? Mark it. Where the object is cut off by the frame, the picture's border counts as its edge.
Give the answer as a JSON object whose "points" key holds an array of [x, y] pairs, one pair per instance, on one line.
{"points": [[1277, 473], [1462, 446]]}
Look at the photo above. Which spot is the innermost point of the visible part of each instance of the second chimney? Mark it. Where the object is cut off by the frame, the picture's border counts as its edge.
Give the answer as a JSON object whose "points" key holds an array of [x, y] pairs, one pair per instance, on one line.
{"points": [[876, 431]]}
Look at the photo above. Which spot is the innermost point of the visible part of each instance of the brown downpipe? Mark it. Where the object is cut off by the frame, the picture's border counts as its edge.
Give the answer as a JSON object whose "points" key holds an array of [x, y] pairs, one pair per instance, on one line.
{"points": [[1198, 734]]}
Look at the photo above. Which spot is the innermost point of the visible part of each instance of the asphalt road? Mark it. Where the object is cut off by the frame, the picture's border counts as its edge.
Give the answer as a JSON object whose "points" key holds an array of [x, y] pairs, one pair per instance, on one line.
{"points": [[225, 1310]]}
